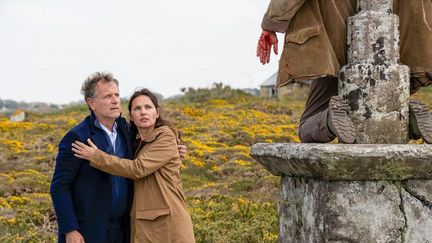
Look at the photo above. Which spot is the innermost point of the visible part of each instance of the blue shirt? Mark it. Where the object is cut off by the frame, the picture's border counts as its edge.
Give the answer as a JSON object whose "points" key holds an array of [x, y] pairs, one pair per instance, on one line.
{"points": [[118, 183]]}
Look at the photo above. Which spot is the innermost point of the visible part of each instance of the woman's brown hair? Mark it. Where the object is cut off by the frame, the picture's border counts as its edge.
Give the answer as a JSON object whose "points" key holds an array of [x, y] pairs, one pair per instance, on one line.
{"points": [[160, 121]]}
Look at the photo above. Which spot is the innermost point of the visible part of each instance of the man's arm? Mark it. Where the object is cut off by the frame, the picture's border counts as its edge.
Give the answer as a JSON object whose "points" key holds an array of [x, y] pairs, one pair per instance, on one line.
{"points": [[276, 19], [279, 14], [66, 169], [158, 153]]}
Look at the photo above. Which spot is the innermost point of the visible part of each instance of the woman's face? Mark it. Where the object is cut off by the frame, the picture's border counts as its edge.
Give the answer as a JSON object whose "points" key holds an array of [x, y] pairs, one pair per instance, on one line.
{"points": [[143, 112]]}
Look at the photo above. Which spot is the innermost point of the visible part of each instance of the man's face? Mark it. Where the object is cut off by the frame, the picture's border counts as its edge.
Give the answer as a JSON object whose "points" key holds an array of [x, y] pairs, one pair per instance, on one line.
{"points": [[106, 104]]}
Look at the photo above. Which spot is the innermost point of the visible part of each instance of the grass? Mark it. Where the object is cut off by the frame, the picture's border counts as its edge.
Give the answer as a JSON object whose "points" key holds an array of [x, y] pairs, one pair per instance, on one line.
{"points": [[231, 197]]}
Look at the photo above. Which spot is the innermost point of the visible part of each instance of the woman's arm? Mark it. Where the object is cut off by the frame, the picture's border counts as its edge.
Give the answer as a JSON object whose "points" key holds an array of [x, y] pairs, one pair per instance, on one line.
{"points": [[153, 157]]}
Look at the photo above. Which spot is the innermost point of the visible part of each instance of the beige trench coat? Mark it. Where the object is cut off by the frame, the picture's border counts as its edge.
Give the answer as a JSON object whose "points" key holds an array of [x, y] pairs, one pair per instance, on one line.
{"points": [[159, 211], [316, 36]]}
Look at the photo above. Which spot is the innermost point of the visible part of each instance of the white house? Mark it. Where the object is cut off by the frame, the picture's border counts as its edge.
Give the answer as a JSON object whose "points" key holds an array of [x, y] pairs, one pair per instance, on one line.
{"points": [[267, 88]]}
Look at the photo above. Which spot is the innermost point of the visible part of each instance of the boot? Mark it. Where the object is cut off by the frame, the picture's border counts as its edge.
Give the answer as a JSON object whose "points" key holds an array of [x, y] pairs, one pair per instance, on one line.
{"points": [[419, 80], [338, 121], [420, 121]]}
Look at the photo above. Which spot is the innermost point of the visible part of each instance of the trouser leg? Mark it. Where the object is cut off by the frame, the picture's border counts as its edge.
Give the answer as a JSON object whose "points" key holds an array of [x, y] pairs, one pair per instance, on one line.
{"points": [[313, 123]]}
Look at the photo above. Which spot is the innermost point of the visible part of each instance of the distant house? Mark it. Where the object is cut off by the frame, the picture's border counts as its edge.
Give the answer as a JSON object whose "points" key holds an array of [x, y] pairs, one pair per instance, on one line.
{"points": [[267, 88]]}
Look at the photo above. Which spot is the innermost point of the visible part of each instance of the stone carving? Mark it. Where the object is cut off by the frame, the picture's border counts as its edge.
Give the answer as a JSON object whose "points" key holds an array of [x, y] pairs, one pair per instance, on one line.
{"points": [[374, 83]]}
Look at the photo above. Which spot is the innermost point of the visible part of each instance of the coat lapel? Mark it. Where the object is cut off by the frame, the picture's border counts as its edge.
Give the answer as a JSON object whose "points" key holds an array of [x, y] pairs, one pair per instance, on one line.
{"points": [[99, 139], [98, 136], [123, 128]]}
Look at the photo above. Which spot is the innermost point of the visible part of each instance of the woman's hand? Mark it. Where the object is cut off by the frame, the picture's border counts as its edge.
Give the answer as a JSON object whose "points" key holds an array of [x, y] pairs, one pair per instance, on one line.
{"points": [[181, 148], [84, 151]]}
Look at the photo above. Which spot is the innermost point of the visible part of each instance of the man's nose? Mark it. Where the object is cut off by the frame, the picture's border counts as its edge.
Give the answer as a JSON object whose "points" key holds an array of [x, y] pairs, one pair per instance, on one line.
{"points": [[115, 100]]}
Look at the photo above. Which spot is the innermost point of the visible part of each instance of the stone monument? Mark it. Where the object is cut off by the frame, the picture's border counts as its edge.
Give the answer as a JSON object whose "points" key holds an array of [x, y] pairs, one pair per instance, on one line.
{"points": [[378, 190], [373, 82]]}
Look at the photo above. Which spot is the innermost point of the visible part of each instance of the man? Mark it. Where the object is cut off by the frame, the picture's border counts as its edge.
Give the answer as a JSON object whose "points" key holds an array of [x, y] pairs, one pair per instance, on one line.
{"points": [[91, 205], [316, 47]]}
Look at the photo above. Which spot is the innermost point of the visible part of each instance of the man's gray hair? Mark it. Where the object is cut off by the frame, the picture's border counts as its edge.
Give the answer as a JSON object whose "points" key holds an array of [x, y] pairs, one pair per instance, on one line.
{"points": [[88, 88]]}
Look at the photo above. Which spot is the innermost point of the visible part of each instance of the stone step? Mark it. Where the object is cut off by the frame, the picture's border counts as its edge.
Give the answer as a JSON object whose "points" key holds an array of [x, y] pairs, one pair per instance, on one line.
{"points": [[353, 162]]}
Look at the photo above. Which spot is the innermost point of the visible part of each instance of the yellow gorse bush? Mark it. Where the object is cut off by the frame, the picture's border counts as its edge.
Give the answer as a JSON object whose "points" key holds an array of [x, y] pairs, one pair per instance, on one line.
{"points": [[4, 203], [230, 196], [7, 125], [14, 145], [16, 200]]}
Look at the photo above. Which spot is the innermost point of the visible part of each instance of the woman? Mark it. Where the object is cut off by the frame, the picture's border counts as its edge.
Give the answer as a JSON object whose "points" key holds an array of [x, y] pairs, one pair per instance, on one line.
{"points": [[159, 211]]}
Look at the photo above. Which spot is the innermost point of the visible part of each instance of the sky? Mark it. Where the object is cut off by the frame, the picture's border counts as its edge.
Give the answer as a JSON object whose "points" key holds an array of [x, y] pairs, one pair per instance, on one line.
{"points": [[49, 47]]}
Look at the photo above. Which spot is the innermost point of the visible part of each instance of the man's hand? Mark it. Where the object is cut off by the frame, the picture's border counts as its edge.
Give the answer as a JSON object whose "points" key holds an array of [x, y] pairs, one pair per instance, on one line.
{"points": [[74, 237], [265, 43], [182, 149]]}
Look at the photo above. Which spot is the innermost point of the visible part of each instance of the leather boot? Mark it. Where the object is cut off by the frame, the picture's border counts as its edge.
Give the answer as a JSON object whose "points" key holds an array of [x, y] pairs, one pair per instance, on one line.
{"points": [[338, 121], [420, 121]]}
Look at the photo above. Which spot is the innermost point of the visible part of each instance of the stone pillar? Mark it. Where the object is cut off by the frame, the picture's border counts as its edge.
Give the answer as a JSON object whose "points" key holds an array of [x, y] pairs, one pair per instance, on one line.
{"points": [[374, 83]]}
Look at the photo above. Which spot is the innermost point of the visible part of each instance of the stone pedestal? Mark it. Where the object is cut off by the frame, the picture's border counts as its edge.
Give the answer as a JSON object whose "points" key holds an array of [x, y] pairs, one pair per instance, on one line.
{"points": [[374, 83], [351, 193]]}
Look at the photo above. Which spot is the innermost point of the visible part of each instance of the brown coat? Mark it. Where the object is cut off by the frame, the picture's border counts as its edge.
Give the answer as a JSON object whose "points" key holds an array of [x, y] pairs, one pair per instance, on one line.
{"points": [[159, 211], [316, 36]]}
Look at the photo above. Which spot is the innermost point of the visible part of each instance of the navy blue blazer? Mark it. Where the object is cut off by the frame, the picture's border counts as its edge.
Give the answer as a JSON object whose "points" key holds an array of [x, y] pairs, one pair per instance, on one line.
{"points": [[82, 194]]}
